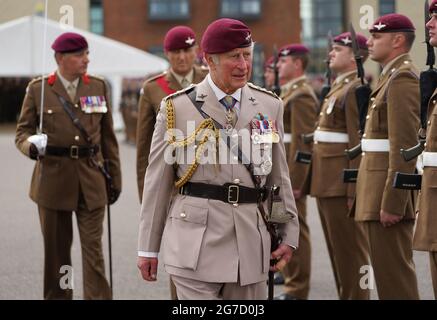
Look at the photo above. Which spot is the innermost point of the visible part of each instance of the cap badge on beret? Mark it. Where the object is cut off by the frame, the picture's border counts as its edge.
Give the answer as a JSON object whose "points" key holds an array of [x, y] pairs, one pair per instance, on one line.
{"points": [[346, 41], [190, 41], [285, 52], [380, 26], [248, 37]]}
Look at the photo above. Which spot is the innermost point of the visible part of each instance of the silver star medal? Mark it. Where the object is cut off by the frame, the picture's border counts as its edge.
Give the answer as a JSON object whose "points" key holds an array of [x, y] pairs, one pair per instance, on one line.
{"points": [[331, 105]]}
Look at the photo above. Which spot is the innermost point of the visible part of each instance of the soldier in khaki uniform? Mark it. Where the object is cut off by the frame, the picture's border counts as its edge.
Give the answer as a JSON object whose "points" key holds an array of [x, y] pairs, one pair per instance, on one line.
{"points": [[213, 232], [336, 131], [300, 115], [269, 73], [386, 213], [180, 49], [66, 176], [425, 236]]}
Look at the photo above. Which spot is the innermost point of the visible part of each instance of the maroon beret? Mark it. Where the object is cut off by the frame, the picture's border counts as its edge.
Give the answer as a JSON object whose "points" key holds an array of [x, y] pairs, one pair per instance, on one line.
{"points": [[293, 50], [69, 42], [393, 22], [433, 7], [345, 39], [270, 63], [179, 37], [224, 35]]}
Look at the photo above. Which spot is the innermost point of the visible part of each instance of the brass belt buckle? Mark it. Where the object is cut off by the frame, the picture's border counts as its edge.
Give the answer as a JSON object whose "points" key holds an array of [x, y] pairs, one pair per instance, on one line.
{"points": [[233, 192], [74, 152]]}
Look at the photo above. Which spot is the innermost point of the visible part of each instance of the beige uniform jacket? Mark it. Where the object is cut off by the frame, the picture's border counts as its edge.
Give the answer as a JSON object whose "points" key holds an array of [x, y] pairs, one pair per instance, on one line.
{"points": [[148, 108], [339, 113], [57, 181], [393, 114], [300, 116], [425, 236], [204, 239]]}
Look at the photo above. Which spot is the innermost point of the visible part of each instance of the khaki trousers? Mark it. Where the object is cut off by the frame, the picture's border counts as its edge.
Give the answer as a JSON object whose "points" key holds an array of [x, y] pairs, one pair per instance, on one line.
{"points": [[297, 272], [391, 255], [57, 232], [347, 247], [190, 289]]}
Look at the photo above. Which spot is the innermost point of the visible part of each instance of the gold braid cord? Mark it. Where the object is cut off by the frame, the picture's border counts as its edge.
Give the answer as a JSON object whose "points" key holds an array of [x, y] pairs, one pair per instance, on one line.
{"points": [[201, 133]]}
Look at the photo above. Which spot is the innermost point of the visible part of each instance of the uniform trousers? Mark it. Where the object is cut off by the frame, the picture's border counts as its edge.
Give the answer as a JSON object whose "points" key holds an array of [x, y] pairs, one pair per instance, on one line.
{"points": [[347, 247], [297, 272], [391, 255], [57, 230], [190, 289]]}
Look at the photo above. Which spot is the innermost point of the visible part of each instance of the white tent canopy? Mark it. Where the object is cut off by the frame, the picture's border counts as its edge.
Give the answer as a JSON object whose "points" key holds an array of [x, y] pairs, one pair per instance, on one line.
{"points": [[22, 54]]}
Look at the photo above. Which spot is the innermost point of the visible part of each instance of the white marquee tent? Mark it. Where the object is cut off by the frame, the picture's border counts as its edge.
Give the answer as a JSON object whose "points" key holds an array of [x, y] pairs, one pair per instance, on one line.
{"points": [[22, 51]]}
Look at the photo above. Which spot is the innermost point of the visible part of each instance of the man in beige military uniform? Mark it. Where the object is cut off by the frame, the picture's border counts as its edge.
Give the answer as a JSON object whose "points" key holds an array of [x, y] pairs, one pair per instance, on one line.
{"points": [[66, 176], [336, 131], [425, 236], [180, 49], [300, 115], [386, 213], [215, 244]]}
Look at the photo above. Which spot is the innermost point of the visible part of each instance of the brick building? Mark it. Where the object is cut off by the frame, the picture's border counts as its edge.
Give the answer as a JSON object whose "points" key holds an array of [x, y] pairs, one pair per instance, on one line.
{"points": [[143, 23]]}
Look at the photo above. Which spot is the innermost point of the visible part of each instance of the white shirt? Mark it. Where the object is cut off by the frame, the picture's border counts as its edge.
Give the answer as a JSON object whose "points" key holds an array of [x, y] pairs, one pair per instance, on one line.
{"points": [[189, 77], [220, 94], [66, 83]]}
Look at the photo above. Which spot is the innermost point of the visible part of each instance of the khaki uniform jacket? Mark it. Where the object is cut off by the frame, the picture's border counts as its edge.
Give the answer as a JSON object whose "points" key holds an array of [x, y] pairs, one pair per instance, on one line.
{"points": [[393, 114], [148, 108], [204, 239], [57, 181], [329, 159], [425, 236], [300, 116]]}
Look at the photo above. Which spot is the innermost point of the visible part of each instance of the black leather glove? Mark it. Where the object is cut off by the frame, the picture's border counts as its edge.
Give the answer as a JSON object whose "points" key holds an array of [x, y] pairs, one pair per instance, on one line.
{"points": [[33, 152], [113, 195]]}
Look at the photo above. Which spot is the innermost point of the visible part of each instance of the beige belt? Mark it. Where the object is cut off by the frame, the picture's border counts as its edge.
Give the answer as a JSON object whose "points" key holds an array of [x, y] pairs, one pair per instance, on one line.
{"points": [[429, 159], [375, 145], [287, 137], [330, 137]]}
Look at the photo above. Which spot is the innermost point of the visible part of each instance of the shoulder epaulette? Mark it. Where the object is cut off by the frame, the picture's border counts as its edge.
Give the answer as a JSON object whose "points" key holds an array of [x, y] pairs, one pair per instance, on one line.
{"points": [[178, 93], [96, 77], [37, 79], [251, 85], [156, 76]]}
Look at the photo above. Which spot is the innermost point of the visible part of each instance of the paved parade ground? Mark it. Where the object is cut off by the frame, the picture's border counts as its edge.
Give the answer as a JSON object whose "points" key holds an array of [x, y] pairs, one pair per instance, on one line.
{"points": [[21, 246]]}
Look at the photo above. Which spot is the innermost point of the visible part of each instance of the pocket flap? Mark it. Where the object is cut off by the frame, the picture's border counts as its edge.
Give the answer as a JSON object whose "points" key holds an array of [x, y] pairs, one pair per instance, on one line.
{"points": [[191, 214]]}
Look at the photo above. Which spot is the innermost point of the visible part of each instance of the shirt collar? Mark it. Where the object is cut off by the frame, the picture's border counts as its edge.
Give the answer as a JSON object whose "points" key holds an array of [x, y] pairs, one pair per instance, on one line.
{"points": [[391, 63], [220, 94], [65, 82], [179, 78]]}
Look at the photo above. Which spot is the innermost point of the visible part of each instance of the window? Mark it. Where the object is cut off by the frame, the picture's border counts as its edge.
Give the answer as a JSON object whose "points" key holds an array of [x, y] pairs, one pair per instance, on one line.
{"points": [[96, 16], [240, 9], [169, 9], [318, 18], [258, 65], [386, 7]]}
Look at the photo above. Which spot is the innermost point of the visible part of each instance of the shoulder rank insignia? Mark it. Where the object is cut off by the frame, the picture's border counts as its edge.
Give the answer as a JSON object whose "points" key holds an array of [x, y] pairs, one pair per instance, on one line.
{"points": [[251, 85], [178, 93]]}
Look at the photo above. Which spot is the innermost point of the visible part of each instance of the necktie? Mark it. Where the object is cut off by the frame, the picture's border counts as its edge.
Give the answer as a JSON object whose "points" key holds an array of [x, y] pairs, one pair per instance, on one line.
{"points": [[71, 90], [231, 116], [185, 83]]}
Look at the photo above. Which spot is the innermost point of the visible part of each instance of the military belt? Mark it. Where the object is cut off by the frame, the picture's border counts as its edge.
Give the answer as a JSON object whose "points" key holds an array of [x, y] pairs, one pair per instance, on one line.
{"points": [[430, 159], [330, 137], [287, 137], [375, 145], [229, 192], [73, 152]]}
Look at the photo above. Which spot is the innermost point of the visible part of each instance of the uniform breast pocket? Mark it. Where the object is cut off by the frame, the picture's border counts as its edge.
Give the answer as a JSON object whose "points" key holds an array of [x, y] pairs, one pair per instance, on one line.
{"points": [[50, 117], [185, 236]]}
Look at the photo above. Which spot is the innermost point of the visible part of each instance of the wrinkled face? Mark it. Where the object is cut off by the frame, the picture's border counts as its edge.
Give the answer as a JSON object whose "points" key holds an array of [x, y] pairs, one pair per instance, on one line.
{"points": [[182, 60], [287, 68], [73, 65], [432, 29], [269, 77], [341, 58], [232, 69], [380, 46]]}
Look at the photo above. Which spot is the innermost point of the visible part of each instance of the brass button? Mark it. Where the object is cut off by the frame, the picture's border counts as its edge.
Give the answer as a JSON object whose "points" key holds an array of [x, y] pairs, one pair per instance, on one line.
{"points": [[321, 113], [372, 99], [236, 181], [76, 105], [429, 122], [424, 144], [50, 111], [363, 154], [183, 215], [76, 138], [367, 117], [318, 128], [434, 101], [364, 135]]}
